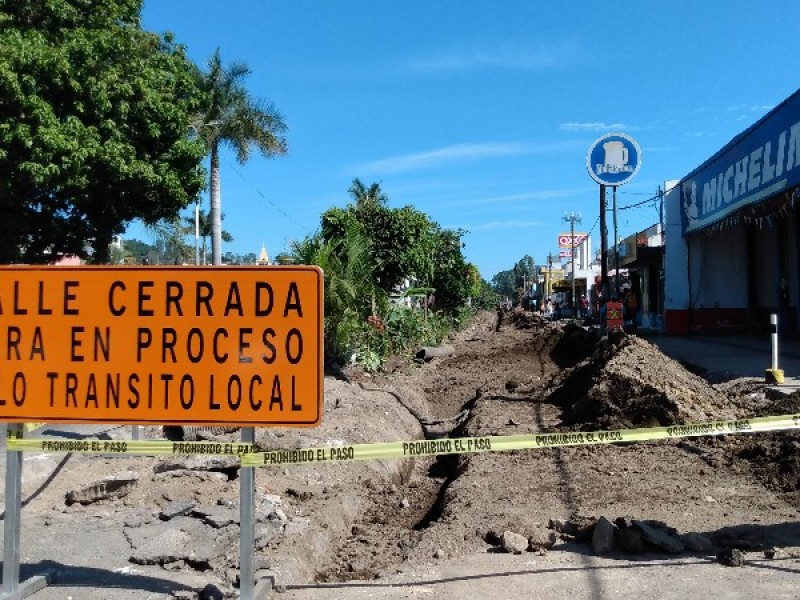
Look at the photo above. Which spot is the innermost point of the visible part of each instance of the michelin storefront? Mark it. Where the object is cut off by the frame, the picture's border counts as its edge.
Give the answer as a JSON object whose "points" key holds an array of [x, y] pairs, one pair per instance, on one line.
{"points": [[733, 234]]}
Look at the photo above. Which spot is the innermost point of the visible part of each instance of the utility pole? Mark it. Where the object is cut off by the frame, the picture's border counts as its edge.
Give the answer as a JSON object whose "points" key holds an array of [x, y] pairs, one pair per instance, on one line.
{"points": [[572, 218]]}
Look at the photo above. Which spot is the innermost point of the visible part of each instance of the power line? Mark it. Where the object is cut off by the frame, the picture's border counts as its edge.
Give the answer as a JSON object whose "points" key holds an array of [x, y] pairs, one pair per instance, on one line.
{"points": [[596, 221], [637, 204], [270, 202]]}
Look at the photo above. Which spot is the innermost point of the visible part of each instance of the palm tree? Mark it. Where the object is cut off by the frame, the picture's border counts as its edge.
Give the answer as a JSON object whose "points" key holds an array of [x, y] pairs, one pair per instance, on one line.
{"points": [[231, 116], [367, 196]]}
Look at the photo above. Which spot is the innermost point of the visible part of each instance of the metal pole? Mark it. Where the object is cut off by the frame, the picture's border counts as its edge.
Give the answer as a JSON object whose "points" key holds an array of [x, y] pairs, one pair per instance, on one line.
{"points": [[572, 218], [616, 245], [197, 233], [11, 519], [548, 284], [572, 260], [246, 524], [13, 589], [603, 244]]}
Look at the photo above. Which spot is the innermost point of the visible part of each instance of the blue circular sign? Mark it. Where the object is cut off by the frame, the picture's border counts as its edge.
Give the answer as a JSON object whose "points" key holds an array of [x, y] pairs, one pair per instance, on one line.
{"points": [[614, 159]]}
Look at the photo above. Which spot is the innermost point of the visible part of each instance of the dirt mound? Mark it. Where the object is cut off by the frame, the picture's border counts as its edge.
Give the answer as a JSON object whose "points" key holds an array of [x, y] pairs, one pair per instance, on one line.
{"points": [[525, 319], [572, 344], [774, 458], [628, 382]]}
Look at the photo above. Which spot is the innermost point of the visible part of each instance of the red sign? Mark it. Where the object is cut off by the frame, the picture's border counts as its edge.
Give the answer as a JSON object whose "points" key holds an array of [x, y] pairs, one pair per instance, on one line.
{"points": [[566, 240], [614, 315]]}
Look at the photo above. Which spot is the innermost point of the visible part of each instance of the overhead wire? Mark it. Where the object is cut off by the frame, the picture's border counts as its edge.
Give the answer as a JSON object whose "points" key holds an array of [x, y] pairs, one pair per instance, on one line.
{"points": [[640, 203], [270, 202]]}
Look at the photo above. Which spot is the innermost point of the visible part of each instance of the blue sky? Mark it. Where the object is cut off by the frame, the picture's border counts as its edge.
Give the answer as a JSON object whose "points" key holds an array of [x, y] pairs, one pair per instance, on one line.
{"points": [[480, 113]]}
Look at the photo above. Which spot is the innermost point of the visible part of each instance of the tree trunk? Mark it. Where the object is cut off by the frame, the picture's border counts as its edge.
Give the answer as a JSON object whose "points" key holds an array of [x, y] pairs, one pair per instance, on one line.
{"points": [[216, 207], [101, 248]]}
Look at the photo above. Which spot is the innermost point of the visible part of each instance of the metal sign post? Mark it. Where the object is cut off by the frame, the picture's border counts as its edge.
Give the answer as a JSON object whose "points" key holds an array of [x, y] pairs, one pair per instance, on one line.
{"points": [[612, 160], [246, 524], [603, 244], [12, 588], [616, 245]]}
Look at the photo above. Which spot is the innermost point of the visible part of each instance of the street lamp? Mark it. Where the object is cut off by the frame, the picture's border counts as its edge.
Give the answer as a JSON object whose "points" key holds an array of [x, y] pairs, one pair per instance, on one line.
{"points": [[572, 218]]}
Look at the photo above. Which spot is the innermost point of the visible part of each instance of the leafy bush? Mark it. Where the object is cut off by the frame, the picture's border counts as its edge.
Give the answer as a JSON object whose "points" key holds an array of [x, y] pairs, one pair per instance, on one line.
{"points": [[364, 250]]}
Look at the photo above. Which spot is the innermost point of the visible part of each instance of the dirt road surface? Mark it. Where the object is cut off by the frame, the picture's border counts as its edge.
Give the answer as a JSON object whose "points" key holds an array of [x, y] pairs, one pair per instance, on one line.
{"points": [[698, 517]]}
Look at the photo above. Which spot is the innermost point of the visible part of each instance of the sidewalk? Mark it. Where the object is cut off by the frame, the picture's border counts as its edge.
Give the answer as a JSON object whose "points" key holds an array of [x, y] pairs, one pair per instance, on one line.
{"points": [[733, 355]]}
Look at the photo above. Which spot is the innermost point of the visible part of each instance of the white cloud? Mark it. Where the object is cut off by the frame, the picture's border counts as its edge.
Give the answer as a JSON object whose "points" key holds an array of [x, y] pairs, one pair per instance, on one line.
{"points": [[515, 224], [456, 153], [504, 56], [537, 195], [751, 107], [596, 126]]}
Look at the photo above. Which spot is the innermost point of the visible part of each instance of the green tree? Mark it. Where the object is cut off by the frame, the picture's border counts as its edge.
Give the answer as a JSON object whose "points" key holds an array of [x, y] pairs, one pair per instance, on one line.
{"points": [[510, 283], [365, 250], [504, 283], [233, 258], [93, 127], [400, 239], [347, 269], [451, 275], [365, 196], [137, 249], [170, 247], [481, 292], [230, 116], [204, 230]]}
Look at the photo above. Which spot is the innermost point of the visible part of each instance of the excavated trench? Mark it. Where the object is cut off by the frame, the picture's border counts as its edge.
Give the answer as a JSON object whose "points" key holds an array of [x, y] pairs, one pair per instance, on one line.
{"points": [[400, 516]]}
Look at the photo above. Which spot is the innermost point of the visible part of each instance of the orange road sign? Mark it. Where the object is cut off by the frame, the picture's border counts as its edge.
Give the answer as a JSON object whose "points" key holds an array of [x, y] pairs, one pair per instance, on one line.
{"points": [[239, 346]]}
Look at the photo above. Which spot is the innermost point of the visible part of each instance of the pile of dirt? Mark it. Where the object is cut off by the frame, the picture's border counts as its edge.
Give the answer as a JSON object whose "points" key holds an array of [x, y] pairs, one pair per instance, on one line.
{"points": [[773, 458], [525, 319], [628, 382]]}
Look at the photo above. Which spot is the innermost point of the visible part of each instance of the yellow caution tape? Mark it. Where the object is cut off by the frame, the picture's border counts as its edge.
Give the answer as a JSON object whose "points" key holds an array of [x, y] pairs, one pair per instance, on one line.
{"points": [[472, 445], [251, 457], [138, 447]]}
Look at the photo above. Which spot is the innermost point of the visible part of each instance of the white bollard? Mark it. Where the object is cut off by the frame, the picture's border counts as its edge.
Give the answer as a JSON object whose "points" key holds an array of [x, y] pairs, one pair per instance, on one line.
{"points": [[774, 374]]}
